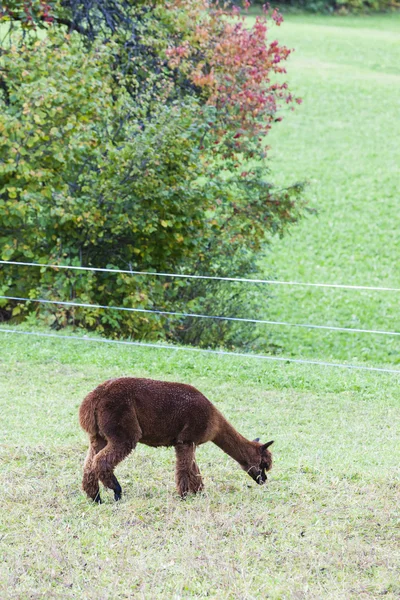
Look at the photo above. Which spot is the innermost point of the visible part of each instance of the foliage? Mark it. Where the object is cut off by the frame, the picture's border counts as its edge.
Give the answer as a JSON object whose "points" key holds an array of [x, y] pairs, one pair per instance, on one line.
{"points": [[30, 13], [119, 150], [339, 6], [345, 6]]}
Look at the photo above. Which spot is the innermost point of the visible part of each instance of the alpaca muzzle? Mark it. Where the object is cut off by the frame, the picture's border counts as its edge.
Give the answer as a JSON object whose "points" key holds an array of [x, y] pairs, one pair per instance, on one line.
{"points": [[259, 475], [262, 477]]}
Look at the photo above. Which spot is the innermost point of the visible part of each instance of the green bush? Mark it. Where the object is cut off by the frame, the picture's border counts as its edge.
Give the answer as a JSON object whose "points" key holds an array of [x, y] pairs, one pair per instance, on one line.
{"points": [[342, 6], [108, 163], [365, 5]]}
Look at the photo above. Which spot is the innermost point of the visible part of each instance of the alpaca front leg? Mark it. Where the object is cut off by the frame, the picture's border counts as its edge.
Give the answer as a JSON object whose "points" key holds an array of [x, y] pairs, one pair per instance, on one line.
{"points": [[116, 487], [187, 473]]}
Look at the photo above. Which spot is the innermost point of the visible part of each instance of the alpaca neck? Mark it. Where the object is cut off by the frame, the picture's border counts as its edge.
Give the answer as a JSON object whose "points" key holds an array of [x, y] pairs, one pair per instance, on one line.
{"points": [[231, 442]]}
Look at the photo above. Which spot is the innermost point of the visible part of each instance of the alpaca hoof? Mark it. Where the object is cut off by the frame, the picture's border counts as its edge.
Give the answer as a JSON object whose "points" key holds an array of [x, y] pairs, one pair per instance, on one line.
{"points": [[97, 498], [117, 489]]}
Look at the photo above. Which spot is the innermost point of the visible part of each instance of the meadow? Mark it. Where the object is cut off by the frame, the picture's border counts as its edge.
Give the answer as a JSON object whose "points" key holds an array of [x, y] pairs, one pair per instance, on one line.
{"points": [[327, 524], [344, 139]]}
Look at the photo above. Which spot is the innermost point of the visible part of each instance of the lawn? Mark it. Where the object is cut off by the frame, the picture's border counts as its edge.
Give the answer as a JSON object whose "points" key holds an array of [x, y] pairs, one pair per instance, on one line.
{"points": [[344, 139], [327, 525]]}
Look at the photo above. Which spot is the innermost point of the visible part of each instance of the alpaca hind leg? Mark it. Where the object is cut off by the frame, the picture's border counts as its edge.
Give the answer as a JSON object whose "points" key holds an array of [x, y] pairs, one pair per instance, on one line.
{"points": [[90, 482], [120, 426], [187, 474], [196, 481], [105, 462]]}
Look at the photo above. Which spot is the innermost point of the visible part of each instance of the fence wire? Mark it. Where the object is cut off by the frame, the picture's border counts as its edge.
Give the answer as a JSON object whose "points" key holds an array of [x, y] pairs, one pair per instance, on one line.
{"points": [[202, 350], [201, 316], [209, 277]]}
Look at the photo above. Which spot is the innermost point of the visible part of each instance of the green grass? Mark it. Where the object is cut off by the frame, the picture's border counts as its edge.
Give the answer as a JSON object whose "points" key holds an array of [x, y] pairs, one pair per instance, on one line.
{"points": [[344, 139], [327, 525]]}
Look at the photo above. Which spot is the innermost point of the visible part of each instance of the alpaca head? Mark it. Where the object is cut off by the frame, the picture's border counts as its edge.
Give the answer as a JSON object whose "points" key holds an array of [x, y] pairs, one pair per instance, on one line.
{"points": [[260, 463]]}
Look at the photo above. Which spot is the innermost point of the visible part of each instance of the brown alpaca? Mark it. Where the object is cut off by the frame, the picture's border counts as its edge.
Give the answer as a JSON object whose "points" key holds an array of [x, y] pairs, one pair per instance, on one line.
{"points": [[122, 412]]}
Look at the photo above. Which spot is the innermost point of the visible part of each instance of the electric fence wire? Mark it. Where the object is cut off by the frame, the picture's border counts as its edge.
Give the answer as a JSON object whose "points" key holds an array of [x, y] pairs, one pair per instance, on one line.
{"points": [[209, 277], [195, 315], [203, 350], [201, 316]]}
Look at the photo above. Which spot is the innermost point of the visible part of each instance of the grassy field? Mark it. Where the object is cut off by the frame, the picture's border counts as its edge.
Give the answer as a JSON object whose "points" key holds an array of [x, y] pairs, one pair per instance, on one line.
{"points": [[345, 139], [327, 525]]}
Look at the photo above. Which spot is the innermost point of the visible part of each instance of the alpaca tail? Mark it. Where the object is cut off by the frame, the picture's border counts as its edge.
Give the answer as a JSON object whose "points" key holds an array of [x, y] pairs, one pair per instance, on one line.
{"points": [[87, 414]]}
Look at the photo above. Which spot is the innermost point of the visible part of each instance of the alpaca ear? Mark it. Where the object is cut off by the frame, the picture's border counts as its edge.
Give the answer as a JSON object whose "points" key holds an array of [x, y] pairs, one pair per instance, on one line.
{"points": [[256, 440], [267, 445]]}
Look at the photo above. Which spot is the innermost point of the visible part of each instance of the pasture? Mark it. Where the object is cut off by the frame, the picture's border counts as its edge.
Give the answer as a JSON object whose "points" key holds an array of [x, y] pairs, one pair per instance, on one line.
{"points": [[327, 525], [345, 139]]}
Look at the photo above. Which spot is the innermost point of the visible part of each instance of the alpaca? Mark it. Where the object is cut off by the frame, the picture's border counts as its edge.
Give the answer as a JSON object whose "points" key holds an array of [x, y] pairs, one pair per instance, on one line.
{"points": [[119, 413]]}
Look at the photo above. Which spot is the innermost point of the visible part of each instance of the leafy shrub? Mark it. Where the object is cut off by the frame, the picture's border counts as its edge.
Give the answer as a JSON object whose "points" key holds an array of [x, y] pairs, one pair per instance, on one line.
{"points": [[138, 148], [342, 6]]}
